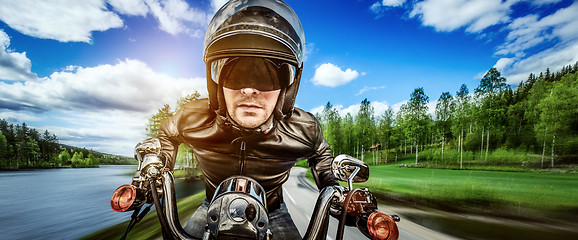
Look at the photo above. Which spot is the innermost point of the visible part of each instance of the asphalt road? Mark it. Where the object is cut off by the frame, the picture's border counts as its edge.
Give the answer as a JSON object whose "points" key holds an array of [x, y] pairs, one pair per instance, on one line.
{"points": [[300, 196]]}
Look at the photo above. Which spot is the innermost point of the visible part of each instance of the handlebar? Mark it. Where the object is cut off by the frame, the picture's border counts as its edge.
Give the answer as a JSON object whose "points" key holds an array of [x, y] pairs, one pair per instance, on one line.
{"points": [[152, 180], [170, 207], [320, 218]]}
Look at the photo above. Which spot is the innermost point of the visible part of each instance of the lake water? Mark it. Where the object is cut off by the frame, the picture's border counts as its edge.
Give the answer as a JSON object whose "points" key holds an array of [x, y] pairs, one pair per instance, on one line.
{"points": [[65, 203]]}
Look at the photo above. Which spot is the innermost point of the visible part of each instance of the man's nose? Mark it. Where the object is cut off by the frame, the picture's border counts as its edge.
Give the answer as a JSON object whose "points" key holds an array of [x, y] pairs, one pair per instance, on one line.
{"points": [[249, 91]]}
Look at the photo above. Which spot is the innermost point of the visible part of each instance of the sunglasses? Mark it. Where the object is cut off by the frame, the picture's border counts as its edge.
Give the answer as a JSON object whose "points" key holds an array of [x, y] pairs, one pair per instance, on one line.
{"points": [[263, 74]]}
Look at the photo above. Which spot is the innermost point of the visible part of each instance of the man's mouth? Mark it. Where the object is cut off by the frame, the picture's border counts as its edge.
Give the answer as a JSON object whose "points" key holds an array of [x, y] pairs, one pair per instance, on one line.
{"points": [[249, 105]]}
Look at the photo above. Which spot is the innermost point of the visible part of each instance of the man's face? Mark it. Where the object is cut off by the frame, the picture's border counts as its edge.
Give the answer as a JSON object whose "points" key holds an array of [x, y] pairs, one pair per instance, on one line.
{"points": [[249, 107]]}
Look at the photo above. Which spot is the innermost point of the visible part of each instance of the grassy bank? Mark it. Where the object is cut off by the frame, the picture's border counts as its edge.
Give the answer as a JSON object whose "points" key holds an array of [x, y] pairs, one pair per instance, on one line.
{"points": [[149, 227], [484, 190], [188, 173], [524, 194]]}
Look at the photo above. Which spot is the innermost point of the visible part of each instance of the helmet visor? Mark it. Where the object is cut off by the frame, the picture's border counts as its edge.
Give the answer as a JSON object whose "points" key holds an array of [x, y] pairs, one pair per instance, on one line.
{"points": [[263, 74]]}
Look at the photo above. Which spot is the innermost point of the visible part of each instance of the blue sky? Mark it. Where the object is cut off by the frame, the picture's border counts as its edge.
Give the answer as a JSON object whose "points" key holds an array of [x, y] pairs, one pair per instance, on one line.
{"points": [[92, 72]]}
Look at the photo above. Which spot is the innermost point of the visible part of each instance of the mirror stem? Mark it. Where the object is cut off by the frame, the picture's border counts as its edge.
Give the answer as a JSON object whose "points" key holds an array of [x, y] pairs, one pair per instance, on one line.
{"points": [[350, 180]]}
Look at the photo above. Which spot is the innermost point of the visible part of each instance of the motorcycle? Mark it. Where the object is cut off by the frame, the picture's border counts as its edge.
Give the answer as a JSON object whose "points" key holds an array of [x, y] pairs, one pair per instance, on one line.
{"points": [[238, 209]]}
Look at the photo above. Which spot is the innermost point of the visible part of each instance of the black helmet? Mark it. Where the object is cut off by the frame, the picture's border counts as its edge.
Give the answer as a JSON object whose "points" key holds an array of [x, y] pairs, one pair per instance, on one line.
{"points": [[268, 30]]}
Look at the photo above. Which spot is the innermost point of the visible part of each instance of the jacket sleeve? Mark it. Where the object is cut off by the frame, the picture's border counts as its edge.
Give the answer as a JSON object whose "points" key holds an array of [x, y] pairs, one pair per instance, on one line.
{"points": [[192, 116], [320, 163], [168, 136]]}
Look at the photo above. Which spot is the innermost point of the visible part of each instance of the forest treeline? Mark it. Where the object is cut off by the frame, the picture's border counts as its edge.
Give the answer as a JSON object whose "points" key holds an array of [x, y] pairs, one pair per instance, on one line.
{"points": [[25, 147], [533, 124]]}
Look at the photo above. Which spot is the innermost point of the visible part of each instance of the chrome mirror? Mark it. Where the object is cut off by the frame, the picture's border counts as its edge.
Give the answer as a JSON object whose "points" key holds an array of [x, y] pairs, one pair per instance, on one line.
{"points": [[349, 169]]}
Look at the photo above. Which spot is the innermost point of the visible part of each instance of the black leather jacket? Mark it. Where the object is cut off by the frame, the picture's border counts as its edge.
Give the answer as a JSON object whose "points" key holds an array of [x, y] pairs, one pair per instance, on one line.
{"points": [[223, 150]]}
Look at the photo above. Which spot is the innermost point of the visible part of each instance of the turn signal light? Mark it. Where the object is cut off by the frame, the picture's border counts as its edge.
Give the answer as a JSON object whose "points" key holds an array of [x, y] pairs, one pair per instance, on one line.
{"points": [[382, 226], [123, 198]]}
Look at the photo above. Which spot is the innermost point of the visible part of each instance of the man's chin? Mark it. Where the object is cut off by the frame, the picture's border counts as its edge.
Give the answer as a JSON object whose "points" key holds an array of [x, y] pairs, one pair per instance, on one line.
{"points": [[250, 122]]}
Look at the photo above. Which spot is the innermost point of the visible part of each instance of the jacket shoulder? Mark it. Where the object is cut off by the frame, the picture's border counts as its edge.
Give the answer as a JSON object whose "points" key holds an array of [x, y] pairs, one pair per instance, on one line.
{"points": [[196, 114], [302, 125], [300, 116], [198, 105]]}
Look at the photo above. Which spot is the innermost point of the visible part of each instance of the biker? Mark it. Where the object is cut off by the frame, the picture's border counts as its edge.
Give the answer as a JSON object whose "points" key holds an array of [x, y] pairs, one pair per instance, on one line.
{"points": [[254, 51]]}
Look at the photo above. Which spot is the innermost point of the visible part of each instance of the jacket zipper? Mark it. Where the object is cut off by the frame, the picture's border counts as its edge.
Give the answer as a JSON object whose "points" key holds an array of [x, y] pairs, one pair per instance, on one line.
{"points": [[242, 157]]}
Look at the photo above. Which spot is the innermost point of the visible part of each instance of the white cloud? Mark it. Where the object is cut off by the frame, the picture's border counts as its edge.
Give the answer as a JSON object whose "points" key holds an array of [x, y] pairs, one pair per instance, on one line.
{"points": [[529, 31], [332, 76], [113, 131], [376, 7], [309, 50], [14, 66], [130, 7], [504, 63], [129, 85], [59, 19], [557, 32], [544, 2], [216, 4], [379, 108], [525, 32], [392, 3], [366, 89], [102, 108], [396, 107], [449, 15], [431, 107], [174, 14], [379, 7], [533, 42], [317, 110], [74, 21], [19, 117], [352, 109], [554, 58]]}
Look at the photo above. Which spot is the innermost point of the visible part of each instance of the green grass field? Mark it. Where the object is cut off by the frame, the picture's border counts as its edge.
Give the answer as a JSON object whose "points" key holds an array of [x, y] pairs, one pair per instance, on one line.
{"points": [[520, 194], [540, 196]]}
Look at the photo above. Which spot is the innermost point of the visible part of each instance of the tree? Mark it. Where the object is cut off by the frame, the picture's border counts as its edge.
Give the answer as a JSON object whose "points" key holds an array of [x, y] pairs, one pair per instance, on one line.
{"points": [[77, 160], [155, 121], [385, 130], [26, 145], [348, 137], [332, 128], [558, 113], [64, 156], [91, 160], [365, 126], [185, 155], [443, 112], [492, 82], [492, 109], [184, 100], [48, 145], [3, 150], [416, 119]]}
